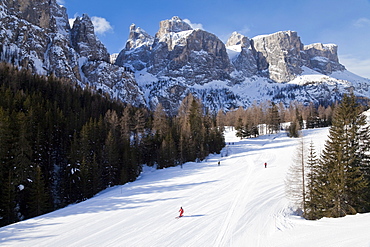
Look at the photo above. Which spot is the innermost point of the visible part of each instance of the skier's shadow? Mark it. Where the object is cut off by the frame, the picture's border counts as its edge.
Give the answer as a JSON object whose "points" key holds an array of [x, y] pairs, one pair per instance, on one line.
{"points": [[194, 215]]}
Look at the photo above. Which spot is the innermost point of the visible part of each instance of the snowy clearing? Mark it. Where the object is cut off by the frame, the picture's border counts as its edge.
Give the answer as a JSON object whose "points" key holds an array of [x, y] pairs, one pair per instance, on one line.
{"points": [[239, 203]]}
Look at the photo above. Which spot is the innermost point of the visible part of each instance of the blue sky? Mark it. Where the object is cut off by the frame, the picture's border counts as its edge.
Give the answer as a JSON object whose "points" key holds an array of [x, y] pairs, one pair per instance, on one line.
{"points": [[342, 22]]}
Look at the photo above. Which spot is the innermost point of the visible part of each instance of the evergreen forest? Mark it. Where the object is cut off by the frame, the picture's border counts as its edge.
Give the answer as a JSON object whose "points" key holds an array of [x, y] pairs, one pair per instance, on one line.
{"points": [[61, 144], [336, 182]]}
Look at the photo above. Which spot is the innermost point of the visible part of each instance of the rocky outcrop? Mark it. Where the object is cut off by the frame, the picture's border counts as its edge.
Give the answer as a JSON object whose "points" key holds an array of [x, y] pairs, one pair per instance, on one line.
{"points": [[176, 61], [36, 35], [237, 39], [137, 38], [114, 80], [84, 40], [281, 56], [137, 53], [322, 58], [197, 56], [45, 14], [179, 60], [174, 25], [246, 60], [282, 53], [178, 51]]}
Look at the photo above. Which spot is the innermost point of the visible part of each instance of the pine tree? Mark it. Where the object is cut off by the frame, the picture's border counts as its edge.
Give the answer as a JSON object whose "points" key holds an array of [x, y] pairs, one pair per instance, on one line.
{"points": [[167, 155], [296, 178], [112, 160], [294, 129], [23, 152], [72, 173], [273, 119], [345, 181], [363, 154], [312, 117], [161, 127], [196, 138], [139, 125], [38, 201], [160, 121], [8, 199], [240, 128], [221, 119], [183, 128], [316, 178]]}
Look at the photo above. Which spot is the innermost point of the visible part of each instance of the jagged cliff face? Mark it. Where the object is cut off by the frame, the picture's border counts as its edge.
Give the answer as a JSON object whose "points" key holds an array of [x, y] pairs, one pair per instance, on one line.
{"points": [[36, 35], [167, 27], [176, 61], [85, 42], [45, 14], [177, 51], [244, 56], [281, 56], [179, 60], [322, 58]]}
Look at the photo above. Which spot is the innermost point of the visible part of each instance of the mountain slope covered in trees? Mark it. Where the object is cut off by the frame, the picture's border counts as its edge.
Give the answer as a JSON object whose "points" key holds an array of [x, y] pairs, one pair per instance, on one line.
{"points": [[61, 144]]}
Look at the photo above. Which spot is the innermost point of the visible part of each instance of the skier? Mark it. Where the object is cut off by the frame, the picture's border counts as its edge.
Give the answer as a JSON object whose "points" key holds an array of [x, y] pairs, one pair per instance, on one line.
{"points": [[181, 212], [265, 164]]}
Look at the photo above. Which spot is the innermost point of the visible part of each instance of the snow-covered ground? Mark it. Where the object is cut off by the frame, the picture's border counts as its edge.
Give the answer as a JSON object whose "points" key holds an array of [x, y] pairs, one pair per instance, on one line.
{"points": [[239, 203]]}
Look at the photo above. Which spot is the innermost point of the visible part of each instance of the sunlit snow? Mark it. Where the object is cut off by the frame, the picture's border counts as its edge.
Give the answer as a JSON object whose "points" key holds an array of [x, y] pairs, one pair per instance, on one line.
{"points": [[239, 203]]}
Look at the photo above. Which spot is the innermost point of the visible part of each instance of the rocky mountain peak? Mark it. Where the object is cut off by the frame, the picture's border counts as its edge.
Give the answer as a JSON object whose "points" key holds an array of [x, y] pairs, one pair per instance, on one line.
{"points": [[36, 35], [279, 55], [45, 14], [138, 37], [238, 39], [85, 41], [174, 25], [322, 58], [36, 12]]}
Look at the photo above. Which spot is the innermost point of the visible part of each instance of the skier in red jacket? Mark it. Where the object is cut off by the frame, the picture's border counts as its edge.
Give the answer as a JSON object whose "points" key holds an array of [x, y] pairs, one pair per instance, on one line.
{"points": [[181, 212]]}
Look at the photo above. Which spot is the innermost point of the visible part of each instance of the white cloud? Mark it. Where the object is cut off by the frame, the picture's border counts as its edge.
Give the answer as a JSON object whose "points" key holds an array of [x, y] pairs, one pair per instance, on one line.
{"points": [[358, 66], [101, 25], [244, 31], [61, 2], [194, 25], [362, 22]]}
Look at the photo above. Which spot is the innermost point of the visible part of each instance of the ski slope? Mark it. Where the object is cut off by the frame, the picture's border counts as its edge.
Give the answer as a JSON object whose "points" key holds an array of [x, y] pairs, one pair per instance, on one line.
{"points": [[239, 203]]}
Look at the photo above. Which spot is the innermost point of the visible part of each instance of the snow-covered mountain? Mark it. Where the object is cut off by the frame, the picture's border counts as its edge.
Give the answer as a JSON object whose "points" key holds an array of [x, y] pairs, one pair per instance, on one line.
{"points": [[36, 35], [176, 61], [239, 203], [277, 67]]}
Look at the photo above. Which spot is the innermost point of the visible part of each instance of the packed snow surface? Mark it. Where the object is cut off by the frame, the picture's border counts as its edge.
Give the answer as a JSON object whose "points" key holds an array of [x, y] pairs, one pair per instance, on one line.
{"points": [[239, 203]]}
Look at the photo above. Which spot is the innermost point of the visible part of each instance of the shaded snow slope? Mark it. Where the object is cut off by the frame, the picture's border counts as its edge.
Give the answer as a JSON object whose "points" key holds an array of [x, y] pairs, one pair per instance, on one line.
{"points": [[239, 203]]}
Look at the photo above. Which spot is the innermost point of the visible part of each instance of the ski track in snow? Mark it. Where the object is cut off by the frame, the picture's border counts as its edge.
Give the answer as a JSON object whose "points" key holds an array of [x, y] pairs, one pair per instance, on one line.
{"points": [[239, 203]]}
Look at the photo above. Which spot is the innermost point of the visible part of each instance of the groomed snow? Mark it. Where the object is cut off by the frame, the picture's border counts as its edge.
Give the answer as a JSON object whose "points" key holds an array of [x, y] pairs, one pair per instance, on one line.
{"points": [[239, 203]]}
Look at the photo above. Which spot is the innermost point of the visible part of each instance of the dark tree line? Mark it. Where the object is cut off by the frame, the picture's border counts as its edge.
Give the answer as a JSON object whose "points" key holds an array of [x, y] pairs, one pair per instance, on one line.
{"points": [[60, 144]]}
